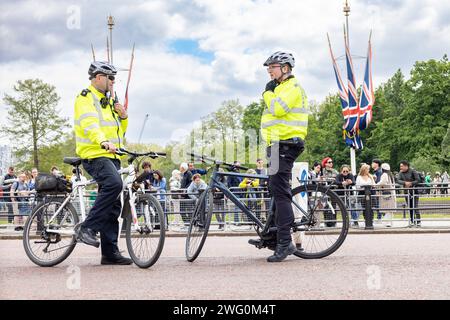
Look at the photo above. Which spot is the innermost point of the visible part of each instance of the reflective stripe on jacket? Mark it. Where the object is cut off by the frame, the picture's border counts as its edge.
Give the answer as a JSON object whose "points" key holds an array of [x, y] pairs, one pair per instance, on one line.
{"points": [[286, 115], [94, 124]]}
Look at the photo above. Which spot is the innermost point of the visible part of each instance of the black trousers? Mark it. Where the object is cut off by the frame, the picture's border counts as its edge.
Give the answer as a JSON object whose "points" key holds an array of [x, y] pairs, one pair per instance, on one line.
{"points": [[9, 206], [281, 160], [413, 204], [106, 209]]}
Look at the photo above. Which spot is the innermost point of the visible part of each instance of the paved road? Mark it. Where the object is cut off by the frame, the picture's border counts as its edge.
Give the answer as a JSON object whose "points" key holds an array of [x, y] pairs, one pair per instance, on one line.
{"points": [[395, 266]]}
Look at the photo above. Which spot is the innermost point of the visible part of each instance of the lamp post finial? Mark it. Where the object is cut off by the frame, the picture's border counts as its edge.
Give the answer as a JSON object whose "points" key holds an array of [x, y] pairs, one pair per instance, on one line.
{"points": [[346, 9]]}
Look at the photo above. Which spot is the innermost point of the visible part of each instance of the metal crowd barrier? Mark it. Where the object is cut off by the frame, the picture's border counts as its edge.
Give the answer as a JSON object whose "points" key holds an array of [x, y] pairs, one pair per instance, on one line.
{"points": [[367, 206]]}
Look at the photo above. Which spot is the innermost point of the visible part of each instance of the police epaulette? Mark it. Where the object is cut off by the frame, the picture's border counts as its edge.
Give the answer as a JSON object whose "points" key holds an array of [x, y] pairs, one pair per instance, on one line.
{"points": [[85, 92]]}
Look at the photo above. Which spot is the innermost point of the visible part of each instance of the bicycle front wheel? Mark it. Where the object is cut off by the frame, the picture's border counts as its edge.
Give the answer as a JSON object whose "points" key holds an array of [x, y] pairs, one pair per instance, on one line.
{"points": [[200, 222], [145, 236], [48, 243], [322, 220]]}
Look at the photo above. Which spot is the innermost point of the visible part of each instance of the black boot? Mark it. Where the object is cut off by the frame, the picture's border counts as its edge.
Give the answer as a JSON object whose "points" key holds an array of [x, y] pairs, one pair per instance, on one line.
{"points": [[116, 259], [282, 251], [88, 236]]}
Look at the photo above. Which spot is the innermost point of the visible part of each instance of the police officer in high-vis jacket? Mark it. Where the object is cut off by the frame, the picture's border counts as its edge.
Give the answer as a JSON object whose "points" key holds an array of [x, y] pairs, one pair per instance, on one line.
{"points": [[100, 125], [284, 126]]}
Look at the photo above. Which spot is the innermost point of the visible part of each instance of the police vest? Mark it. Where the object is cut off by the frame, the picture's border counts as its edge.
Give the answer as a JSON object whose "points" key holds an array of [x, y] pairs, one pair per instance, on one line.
{"points": [[96, 122], [286, 112]]}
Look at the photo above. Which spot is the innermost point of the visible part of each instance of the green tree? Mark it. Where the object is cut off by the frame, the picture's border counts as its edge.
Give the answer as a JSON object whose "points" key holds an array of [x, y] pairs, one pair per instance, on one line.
{"points": [[33, 120], [221, 128], [425, 121], [251, 119], [53, 155]]}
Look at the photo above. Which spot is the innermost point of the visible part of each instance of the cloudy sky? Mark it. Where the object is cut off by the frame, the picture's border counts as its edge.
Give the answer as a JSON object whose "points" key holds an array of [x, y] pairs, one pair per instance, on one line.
{"points": [[192, 55]]}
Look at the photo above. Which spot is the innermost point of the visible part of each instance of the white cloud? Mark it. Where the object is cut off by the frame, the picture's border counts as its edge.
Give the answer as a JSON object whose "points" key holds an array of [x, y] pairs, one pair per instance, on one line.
{"points": [[177, 89]]}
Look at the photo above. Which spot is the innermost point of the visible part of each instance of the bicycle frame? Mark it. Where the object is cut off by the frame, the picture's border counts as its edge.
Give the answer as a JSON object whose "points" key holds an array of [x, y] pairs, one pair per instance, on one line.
{"points": [[215, 183], [77, 192]]}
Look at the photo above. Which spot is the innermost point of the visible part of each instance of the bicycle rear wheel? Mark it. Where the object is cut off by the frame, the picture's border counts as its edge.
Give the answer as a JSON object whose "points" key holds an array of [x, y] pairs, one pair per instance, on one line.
{"points": [[199, 227], [146, 241], [46, 248], [323, 224]]}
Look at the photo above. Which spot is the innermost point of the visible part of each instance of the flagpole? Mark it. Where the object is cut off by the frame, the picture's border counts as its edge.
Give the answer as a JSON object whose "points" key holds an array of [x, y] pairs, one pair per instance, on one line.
{"points": [[110, 26], [93, 52], [347, 13], [110, 23], [347, 37]]}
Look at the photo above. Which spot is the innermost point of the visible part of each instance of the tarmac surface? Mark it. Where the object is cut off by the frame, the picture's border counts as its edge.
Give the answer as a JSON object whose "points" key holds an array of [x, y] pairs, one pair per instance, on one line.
{"points": [[367, 266]]}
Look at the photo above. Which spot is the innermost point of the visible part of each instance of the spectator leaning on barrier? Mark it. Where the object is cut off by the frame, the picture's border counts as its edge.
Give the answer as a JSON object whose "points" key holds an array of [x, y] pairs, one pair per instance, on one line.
{"points": [[364, 179], [409, 178], [445, 182], [32, 183], [197, 185], [193, 170], [437, 181], [328, 172], [186, 179], [175, 181], [316, 172], [262, 170], [249, 185], [146, 177], [428, 181], [55, 171], [377, 172], [387, 197], [344, 181], [19, 197], [7, 195], [186, 175], [174, 187], [159, 184]]}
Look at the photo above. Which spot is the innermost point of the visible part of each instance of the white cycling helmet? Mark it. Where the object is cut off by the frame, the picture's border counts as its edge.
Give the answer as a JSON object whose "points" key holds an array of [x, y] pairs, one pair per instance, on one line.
{"points": [[281, 58], [101, 67]]}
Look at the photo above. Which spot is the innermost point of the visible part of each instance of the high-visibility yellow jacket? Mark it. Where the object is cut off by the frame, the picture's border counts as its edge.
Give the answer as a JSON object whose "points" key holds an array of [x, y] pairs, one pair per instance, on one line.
{"points": [[244, 183], [95, 124], [286, 112]]}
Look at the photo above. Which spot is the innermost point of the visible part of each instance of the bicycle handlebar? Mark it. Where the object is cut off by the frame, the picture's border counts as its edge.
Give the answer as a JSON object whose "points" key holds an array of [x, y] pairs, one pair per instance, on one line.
{"points": [[151, 154], [204, 158]]}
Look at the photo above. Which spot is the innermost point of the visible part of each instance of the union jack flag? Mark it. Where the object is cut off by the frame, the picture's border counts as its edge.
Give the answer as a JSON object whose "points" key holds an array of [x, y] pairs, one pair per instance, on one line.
{"points": [[350, 110], [367, 98], [352, 123], [342, 90]]}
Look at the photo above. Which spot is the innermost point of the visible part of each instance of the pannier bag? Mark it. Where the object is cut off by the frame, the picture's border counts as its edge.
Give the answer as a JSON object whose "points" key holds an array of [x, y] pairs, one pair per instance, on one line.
{"points": [[48, 183]]}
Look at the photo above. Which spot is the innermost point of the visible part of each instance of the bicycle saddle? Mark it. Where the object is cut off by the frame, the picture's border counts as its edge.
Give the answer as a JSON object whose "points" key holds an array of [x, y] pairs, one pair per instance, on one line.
{"points": [[74, 161]]}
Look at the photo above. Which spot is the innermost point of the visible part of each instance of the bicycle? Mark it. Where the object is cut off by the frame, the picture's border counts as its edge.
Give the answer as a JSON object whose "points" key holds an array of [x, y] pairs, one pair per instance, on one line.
{"points": [[320, 233], [50, 233]]}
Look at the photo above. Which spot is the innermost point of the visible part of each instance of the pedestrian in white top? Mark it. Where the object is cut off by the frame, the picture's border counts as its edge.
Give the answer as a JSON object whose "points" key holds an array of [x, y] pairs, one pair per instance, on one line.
{"points": [[364, 179], [387, 193]]}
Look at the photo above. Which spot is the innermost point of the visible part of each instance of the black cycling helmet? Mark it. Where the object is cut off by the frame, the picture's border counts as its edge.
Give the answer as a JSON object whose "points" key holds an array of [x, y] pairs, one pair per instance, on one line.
{"points": [[100, 67], [281, 58]]}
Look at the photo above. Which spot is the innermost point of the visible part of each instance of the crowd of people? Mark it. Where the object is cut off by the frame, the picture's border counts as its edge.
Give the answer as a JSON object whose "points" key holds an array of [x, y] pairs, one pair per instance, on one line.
{"points": [[187, 183], [383, 185]]}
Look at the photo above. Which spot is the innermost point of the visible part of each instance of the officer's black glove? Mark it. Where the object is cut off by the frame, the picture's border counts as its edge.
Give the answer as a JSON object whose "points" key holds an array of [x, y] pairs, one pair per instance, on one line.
{"points": [[271, 85]]}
